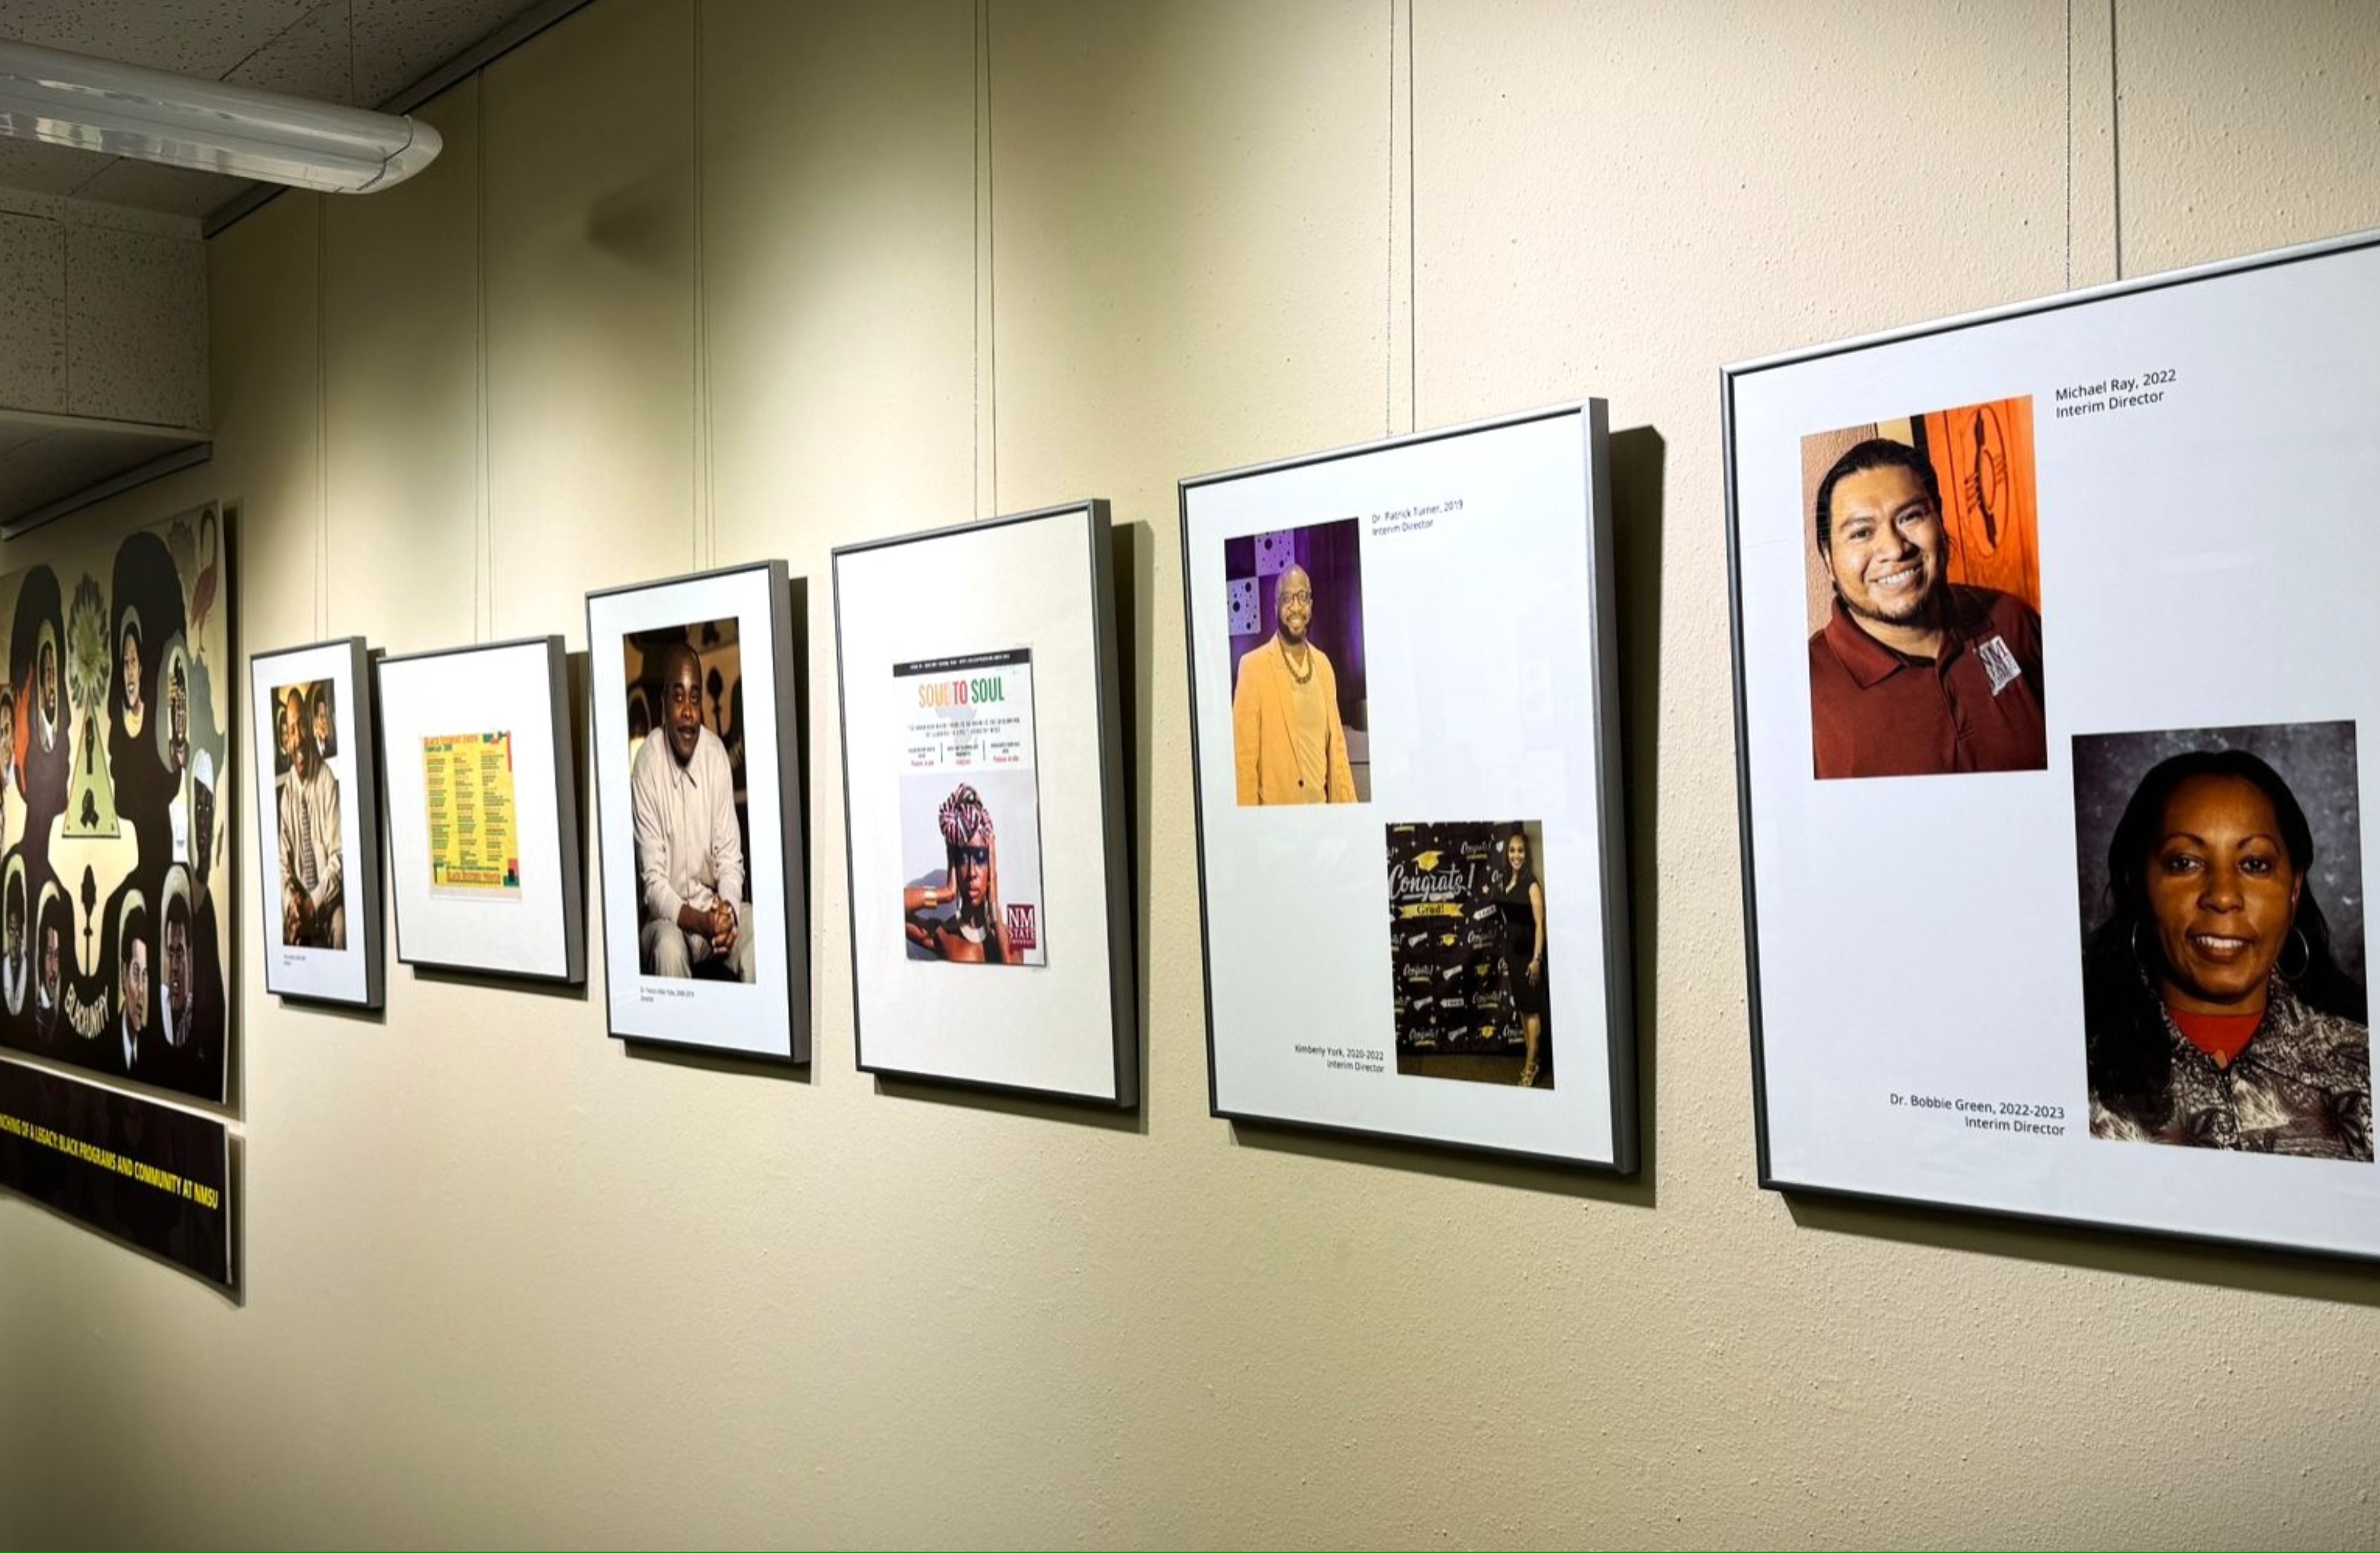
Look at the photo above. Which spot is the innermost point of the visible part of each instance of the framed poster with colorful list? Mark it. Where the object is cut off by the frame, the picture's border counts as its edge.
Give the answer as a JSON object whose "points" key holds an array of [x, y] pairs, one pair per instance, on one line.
{"points": [[483, 810], [1404, 697]]}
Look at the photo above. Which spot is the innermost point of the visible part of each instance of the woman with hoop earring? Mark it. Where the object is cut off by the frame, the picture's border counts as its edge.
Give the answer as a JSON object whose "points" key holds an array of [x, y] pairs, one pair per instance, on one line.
{"points": [[2214, 1012]]}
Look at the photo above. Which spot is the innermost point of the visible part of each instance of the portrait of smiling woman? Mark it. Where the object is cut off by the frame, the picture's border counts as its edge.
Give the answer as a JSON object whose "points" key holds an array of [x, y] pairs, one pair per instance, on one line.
{"points": [[2218, 1012]]}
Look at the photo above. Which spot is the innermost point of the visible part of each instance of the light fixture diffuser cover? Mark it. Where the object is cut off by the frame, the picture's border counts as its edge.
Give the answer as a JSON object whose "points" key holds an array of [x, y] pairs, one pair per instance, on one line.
{"points": [[124, 110]]}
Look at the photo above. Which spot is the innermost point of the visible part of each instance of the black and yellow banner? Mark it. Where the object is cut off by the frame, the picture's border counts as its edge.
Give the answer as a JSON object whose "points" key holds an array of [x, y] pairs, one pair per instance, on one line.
{"points": [[149, 1174]]}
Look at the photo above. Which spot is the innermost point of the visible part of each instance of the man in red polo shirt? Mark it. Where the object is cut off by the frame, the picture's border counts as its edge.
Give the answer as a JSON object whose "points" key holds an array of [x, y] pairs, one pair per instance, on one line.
{"points": [[1912, 675]]}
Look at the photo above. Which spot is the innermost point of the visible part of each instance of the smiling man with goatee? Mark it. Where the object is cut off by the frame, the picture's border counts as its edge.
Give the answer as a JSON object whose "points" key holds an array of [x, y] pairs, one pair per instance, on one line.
{"points": [[1287, 739], [1914, 675]]}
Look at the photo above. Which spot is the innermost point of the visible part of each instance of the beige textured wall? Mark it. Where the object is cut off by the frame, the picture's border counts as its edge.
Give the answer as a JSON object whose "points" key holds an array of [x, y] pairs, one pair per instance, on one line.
{"points": [[692, 286]]}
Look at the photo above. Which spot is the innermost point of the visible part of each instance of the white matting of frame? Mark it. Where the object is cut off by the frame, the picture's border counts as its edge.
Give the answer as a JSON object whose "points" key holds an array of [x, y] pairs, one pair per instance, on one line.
{"points": [[487, 878], [1021, 608], [2201, 455], [1479, 559], [702, 999], [328, 950]]}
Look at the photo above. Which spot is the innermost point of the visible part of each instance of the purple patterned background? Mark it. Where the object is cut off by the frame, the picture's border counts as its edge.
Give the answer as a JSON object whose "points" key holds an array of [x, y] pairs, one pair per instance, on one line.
{"points": [[1331, 555]]}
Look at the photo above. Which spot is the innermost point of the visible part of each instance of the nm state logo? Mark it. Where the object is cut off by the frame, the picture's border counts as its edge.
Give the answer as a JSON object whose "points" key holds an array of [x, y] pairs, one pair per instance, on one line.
{"points": [[1021, 934]]}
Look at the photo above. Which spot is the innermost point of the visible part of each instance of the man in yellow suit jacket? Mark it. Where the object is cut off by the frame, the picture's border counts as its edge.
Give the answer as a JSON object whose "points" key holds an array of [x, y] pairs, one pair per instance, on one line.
{"points": [[1286, 736]]}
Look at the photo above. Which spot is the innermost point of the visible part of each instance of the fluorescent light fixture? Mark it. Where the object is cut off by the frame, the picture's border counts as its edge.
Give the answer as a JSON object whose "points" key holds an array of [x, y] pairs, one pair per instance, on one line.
{"points": [[123, 110]]}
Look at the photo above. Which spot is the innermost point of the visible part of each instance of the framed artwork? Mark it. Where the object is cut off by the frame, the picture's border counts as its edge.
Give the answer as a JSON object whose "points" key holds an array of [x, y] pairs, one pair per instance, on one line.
{"points": [[483, 810], [1404, 697], [698, 809], [115, 742], [983, 793], [2052, 728], [318, 808]]}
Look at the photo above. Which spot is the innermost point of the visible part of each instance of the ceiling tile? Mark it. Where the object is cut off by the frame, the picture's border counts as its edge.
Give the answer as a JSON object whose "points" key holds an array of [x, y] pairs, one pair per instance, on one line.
{"points": [[38, 169], [59, 463], [307, 60], [399, 42], [32, 313], [122, 218], [190, 37], [49, 207], [136, 326], [153, 185]]}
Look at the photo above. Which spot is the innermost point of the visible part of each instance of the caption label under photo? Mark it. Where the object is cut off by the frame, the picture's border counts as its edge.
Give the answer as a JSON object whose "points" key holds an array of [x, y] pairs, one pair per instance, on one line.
{"points": [[1362, 1060], [1990, 1116]]}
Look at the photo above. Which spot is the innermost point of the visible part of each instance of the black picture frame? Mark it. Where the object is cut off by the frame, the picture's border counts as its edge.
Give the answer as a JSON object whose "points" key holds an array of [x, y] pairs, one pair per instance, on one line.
{"points": [[1604, 876], [2148, 314], [560, 860], [1099, 651], [355, 976], [613, 617]]}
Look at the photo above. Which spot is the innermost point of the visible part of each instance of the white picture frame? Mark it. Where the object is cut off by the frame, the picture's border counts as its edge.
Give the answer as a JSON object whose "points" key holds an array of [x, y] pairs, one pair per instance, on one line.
{"points": [[2036, 1026], [482, 802], [1033, 988], [696, 998], [331, 950], [1376, 963]]}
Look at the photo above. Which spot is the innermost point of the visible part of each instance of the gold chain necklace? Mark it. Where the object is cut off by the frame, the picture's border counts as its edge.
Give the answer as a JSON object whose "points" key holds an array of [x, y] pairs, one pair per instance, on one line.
{"points": [[1305, 678]]}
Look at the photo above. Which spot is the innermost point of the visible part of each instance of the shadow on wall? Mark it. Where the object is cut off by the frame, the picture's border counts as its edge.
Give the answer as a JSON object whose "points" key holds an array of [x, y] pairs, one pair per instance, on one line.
{"points": [[2094, 1248], [644, 224]]}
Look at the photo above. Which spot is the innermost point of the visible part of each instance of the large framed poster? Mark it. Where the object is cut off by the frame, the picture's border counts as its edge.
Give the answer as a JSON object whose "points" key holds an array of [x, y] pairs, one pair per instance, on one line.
{"points": [[117, 699], [483, 809], [699, 811], [983, 789], [1404, 694], [2054, 704]]}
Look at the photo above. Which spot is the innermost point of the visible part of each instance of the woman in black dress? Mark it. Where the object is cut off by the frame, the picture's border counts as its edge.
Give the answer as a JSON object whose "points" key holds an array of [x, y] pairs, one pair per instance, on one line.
{"points": [[1520, 912]]}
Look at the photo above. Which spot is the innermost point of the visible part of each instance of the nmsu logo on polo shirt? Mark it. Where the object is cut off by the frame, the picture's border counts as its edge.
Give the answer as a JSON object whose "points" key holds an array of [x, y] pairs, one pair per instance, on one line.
{"points": [[1999, 663], [1020, 926]]}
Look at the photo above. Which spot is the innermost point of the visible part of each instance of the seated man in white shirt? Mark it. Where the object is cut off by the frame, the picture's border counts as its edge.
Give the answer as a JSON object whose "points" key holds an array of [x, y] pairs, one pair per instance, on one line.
{"points": [[690, 856]]}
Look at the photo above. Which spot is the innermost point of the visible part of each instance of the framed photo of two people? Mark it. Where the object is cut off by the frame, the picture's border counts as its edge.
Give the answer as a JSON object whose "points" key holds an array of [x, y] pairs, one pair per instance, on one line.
{"points": [[2054, 636], [699, 813], [1404, 694], [318, 795]]}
